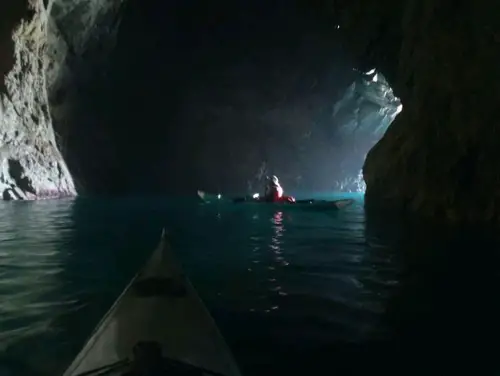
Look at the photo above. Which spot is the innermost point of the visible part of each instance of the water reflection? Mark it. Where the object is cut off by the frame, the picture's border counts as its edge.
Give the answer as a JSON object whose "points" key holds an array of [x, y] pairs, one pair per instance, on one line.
{"points": [[276, 247], [314, 272], [267, 264]]}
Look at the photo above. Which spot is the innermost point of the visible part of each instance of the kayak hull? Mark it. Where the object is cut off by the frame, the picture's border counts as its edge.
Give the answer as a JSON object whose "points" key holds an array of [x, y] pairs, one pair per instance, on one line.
{"points": [[299, 204], [158, 305]]}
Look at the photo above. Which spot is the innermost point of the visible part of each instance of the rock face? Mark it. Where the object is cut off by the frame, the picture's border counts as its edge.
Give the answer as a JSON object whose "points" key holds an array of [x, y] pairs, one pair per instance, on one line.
{"points": [[320, 125], [439, 158], [32, 166], [81, 37], [360, 119], [44, 45], [369, 103]]}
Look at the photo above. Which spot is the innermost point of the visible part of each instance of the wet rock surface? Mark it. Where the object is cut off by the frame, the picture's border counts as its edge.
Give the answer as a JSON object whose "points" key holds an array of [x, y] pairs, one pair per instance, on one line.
{"points": [[360, 119], [81, 37], [439, 158], [31, 165], [52, 51], [71, 90]]}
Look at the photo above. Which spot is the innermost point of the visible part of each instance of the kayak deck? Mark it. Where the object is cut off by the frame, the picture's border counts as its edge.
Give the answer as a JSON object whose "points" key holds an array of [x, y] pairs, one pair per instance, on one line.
{"points": [[160, 306]]}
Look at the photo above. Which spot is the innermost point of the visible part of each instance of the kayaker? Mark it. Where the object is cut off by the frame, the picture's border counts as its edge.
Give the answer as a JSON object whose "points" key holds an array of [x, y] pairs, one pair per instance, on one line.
{"points": [[273, 192]]}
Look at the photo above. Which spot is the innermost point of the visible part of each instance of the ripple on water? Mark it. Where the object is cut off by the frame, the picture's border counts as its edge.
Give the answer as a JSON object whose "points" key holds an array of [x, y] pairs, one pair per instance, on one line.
{"points": [[30, 266], [309, 276], [312, 270]]}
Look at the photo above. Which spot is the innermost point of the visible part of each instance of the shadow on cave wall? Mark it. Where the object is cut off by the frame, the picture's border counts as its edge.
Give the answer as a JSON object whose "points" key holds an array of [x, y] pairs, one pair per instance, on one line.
{"points": [[110, 116]]}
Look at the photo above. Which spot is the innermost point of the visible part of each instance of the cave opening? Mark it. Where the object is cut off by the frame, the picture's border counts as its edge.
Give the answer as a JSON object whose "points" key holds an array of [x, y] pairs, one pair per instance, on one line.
{"points": [[192, 94]]}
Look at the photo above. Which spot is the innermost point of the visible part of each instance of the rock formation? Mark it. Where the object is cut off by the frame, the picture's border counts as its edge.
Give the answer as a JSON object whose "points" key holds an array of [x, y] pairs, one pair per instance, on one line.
{"points": [[32, 165], [84, 96], [439, 158], [359, 120], [81, 37], [42, 43]]}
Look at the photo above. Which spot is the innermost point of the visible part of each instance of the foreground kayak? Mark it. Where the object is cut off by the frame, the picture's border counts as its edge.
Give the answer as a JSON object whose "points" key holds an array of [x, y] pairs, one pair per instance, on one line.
{"points": [[158, 326], [310, 203]]}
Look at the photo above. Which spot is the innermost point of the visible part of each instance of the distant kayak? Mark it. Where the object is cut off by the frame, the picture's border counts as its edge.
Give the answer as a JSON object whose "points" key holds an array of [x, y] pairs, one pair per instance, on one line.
{"points": [[158, 326], [309, 203]]}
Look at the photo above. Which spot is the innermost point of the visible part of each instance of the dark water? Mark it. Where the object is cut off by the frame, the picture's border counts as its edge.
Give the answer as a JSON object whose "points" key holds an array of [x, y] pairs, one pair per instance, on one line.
{"points": [[292, 291]]}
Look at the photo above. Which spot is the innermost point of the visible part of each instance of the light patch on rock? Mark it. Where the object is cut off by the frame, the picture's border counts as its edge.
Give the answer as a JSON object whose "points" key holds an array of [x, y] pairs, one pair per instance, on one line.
{"points": [[31, 165]]}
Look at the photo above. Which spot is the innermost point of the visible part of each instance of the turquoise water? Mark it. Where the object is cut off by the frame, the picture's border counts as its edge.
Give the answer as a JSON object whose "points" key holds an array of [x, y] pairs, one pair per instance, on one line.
{"points": [[290, 290]]}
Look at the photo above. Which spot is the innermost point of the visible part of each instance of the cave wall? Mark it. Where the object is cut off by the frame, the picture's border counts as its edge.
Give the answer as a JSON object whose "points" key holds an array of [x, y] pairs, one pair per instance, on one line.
{"points": [[32, 166], [439, 157], [237, 93], [53, 95], [241, 91], [81, 38], [358, 121], [186, 94], [144, 114]]}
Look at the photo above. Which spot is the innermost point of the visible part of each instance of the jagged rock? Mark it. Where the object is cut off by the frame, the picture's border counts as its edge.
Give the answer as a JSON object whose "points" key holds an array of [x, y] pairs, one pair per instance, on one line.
{"points": [[439, 158], [368, 104], [81, 37], [294, 118], [52, 47], [360, 118], [32, 166], [87, 109]]}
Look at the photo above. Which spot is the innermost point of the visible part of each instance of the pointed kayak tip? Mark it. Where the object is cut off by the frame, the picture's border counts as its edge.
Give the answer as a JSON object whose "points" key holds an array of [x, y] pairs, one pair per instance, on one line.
{"points": [[163, 245], [164, 238], [164, 233]]}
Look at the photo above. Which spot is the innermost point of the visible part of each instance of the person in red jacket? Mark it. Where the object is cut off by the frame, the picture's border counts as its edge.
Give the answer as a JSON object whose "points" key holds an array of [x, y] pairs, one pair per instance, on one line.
{"points": [[274, 192]]}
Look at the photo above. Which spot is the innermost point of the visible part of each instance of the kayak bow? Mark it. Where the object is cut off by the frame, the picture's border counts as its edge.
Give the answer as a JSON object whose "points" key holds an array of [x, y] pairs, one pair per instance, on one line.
{"points": [[159, 311]]}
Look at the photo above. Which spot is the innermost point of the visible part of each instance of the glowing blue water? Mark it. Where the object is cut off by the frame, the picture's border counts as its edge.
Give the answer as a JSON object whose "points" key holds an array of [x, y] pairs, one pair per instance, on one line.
{"points": [[278, 283]]}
